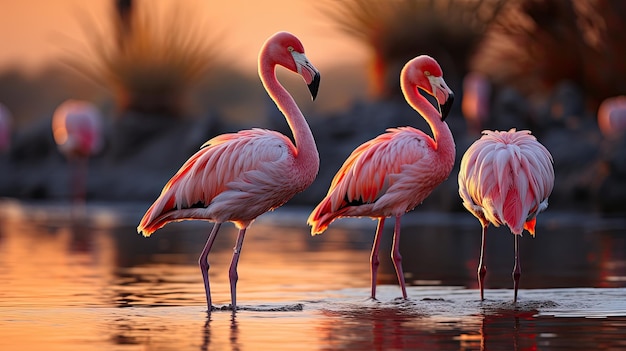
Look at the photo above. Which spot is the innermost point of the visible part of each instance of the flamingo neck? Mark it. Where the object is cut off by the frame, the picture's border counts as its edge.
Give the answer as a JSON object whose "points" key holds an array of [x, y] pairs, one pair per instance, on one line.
{"points": [[305, 149], [443, 140]]}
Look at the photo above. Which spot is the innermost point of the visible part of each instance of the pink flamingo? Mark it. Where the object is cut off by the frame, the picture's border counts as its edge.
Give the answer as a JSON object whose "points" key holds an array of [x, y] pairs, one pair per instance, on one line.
{"points": [[612, 116], [475, 102], [506, 178], [5, 129], [394, 172], [237, 177], [77, 131]]}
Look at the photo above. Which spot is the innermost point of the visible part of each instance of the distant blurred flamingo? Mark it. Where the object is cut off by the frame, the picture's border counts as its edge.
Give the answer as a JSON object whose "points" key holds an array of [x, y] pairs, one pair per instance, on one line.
{"points": [[394, 172], [237, 177], [5, 129], [506, 178], [475, 102], [612, 116], [77, 130]]}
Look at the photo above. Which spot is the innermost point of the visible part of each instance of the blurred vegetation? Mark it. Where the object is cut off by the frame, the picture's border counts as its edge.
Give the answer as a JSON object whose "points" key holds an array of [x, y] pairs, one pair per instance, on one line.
{"points": [[535, 44], [398, 30], [531, 45], [149, 60]]}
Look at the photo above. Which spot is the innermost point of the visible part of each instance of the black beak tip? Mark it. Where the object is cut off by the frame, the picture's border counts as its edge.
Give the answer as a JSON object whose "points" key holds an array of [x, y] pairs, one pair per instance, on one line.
{"points": [[314, 86], [447, 106]]}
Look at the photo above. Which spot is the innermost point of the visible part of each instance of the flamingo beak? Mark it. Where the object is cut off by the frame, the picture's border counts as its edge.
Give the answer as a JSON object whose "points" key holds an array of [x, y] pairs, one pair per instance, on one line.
{"points": [[314, 85], [447, 106], [442, 93], [309, 73]]}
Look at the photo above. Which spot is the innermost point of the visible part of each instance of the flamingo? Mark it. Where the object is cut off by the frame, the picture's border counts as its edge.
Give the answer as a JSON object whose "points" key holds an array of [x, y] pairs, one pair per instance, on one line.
{"points": [[5, 129], [612, 116], [475, 102], [394, 172], [506, 178], [77, 131], [239, 176]]}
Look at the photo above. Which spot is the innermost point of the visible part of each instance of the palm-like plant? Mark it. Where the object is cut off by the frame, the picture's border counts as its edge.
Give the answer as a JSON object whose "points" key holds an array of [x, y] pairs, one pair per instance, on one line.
{"points": [[536, 44], [399, 30], [150, 63]]}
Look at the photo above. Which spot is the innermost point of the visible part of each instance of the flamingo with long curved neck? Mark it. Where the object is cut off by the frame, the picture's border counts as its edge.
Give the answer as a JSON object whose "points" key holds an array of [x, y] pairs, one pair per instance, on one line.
{"points": [[394, 172], [237, 177]]}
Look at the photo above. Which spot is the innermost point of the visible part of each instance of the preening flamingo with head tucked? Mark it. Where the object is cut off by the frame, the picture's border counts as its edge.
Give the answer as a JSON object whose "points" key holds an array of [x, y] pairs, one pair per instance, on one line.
{"points": [[394, 172], [77, 131], [506, 178], [237, 177]]}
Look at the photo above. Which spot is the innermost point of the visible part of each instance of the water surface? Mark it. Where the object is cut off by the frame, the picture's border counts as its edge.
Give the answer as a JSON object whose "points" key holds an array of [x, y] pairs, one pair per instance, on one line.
{"points": [[84, 280]]}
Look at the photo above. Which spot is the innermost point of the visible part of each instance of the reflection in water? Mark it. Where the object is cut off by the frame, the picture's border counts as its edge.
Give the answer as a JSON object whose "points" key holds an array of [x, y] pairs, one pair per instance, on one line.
{"points": [[406, 328], [91, 283], [521, 333], [384, 328], [53, 265]]}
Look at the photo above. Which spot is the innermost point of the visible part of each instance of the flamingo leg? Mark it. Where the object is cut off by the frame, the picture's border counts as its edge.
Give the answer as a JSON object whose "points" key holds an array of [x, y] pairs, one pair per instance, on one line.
{"points": [[374, 261], [204, 263], [482, 268], [397, 258], [232, 272], [78, 176], [517, 269]]}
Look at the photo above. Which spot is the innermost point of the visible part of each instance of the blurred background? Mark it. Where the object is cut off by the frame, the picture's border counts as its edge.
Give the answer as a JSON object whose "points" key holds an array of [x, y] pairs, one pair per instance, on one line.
{"points": [[166, 76]]}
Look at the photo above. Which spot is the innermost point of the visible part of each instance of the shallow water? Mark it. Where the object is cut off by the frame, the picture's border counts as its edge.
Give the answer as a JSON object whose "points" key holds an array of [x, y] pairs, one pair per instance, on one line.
{"points": [[84, 280]]}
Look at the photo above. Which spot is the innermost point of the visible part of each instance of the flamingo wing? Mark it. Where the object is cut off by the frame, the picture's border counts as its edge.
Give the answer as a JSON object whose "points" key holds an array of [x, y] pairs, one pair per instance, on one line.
{"points": [[233, 177], [380, 178]]}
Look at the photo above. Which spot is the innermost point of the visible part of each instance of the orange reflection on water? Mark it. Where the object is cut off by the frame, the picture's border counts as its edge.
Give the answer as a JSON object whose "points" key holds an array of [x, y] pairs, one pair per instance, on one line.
{"points": [[50, 266], [67, 285]]}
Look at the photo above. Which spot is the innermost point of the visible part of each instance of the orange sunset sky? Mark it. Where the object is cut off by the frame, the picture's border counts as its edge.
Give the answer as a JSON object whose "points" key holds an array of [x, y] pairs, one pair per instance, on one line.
{"points": [[34, 32]]}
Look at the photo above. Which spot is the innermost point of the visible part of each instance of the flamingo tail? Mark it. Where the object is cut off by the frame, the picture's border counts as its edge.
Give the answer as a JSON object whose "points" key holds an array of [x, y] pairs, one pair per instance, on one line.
{"points": [[157, 215], [322, 216], [168, 208]]}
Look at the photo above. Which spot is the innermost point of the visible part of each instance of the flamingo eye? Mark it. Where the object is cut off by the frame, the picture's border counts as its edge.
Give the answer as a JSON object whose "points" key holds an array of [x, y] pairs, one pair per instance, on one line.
{"points": [[290, 48], [427, 73]]}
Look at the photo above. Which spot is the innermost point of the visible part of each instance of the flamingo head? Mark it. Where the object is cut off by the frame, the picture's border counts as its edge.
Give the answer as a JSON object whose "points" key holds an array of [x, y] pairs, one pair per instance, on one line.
{"points": [[425, 73], [287, 50]]}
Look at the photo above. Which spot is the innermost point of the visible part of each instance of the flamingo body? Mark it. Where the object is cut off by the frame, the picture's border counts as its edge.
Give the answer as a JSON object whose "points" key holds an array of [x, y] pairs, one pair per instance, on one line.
{"points": [[386, 176], [505, 179], [234, 177], [394, 172], [237, 177]]}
